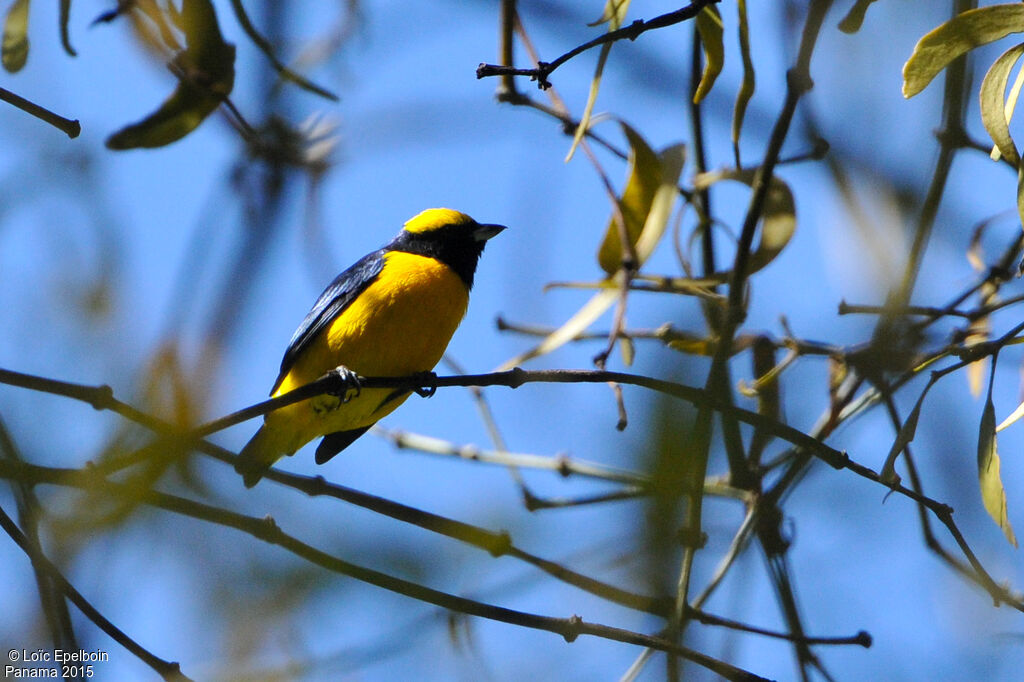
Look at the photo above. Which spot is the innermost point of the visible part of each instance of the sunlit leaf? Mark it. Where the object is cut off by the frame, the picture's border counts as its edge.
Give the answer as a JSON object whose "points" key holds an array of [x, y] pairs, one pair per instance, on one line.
{"points": [[778, 217], [615, 10], [979, 331], [584, 317], [206, 73], [709, 25], [648, 172], [628, 350], [670, 162], [993, 495], [659, 210], [964, 32], [14, 52], [1013, 418], [996, 110], [853, 20], [747, 86]]}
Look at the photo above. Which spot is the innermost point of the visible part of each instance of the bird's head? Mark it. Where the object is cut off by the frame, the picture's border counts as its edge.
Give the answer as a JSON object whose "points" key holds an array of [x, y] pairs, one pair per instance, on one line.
{"points": [[449, 236]]}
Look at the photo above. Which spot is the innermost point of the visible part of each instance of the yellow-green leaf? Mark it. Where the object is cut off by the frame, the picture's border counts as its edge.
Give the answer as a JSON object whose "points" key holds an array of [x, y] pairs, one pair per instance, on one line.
{"points": [[648, 172], [746, 90], [851, 23], [778, 217], [206, 72], [584, 317], [628, 351], [1012, 419], [964, 32], [179, 115], [615, 11], [709, 25], [14, 52], [993, 495], [995, 109]]}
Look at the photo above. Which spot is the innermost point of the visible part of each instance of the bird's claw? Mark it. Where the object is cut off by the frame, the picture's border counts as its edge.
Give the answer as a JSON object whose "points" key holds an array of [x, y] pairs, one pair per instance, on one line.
{"points": [[426, 391], [349, 384]]}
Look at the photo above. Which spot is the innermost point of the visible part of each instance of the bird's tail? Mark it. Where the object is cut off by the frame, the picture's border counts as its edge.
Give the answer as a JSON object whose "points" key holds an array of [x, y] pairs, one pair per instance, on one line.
{"points": [[258, 455]]}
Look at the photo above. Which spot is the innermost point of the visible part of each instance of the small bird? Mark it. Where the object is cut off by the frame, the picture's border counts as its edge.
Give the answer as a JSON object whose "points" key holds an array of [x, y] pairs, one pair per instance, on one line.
{"points": [[392, 313]]}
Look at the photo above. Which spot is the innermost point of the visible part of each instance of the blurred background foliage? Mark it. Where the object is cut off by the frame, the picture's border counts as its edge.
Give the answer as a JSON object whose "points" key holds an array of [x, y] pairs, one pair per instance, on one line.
{"points": [[176, 275]]}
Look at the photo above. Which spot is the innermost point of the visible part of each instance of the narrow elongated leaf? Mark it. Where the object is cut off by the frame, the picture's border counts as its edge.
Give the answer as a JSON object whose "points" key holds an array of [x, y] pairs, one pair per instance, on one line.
{"points": [[644, 172], [905, 436], [584, 317], [995, 110], [612, 9], [615, 10], [709, 25], [1012, 419], [993, 495], [14, 52], [180, 114], [670, 163], [964, 32], [747, 86]]}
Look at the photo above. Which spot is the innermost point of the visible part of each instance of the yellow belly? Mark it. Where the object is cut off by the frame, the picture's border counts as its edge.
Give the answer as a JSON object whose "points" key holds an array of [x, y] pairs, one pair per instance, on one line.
{"points": [[401, 324]]}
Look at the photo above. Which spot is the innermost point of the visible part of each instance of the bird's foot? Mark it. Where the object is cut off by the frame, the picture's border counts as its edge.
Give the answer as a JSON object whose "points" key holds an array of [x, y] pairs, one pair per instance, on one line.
{"points": [[349, 384], [426, 391]]}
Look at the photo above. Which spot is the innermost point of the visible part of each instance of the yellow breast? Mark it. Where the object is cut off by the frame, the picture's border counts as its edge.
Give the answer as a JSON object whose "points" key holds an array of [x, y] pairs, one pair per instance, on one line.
{"points": [[401, 324]]}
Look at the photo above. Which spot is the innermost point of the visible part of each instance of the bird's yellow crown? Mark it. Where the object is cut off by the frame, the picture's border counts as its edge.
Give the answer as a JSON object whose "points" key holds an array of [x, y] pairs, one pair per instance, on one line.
{"points": [[435, 219]]}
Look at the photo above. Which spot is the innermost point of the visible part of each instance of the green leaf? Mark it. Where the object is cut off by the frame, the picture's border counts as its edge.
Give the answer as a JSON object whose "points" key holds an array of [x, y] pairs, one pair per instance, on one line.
{"points": [[995, 109], [652, 220], [615, 11], [14, 52], [206, 72], [905, 436], [993, 495], [649, 173], [956, 37], [851, 23], [778, 217], [746, 90], [709, 25], [180, 114]]}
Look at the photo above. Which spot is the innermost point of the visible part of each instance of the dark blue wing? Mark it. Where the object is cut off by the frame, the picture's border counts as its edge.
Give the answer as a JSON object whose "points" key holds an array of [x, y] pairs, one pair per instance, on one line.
{"points": [[336, 297]]}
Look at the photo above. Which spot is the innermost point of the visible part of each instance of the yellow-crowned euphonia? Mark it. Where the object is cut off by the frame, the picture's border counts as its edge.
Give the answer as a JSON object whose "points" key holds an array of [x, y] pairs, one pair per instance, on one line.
{"points": [[392, 313]]}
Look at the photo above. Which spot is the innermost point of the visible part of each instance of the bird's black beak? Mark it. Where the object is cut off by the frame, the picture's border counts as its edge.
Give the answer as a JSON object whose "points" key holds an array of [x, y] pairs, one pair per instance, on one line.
{"points": [[484, 232]]}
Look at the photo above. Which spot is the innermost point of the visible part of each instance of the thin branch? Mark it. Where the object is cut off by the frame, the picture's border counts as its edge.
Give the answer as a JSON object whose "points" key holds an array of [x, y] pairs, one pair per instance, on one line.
{"points": [[102, 397], [564, 465], [631, 32], [166, 669], [71, 128], [267, 49], [267, 530]]}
